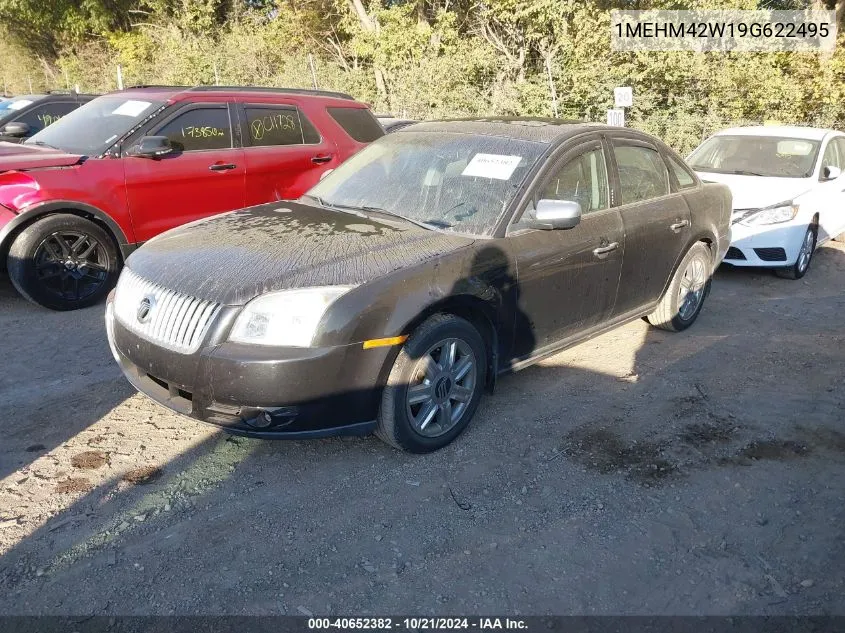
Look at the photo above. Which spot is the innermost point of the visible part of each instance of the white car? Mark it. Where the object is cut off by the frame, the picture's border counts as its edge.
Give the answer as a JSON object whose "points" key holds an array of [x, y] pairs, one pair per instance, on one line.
{"points": [[788, 192]]}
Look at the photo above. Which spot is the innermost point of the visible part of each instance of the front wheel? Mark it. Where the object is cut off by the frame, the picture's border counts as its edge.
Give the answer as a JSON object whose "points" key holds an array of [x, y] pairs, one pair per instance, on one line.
{"points": [[435, 385], [805, 256], [63, 262], [682, 302]]}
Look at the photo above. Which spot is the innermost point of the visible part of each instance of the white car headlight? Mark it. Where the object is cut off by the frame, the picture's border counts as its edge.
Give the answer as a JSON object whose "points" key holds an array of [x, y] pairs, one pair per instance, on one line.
{"points": [[287, 318], [771, 215]]}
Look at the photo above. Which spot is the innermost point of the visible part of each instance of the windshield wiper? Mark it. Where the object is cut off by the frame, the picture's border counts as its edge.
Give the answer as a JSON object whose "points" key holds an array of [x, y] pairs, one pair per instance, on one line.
{"points": [[419, 223], [343, 208], [363, 210], [41, 144], [744, 172], [736, 172]]}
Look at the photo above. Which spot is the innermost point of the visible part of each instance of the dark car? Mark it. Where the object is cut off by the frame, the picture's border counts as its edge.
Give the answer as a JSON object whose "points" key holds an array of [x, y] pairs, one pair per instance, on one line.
{"points": [[393, 124], [396, 290], [24, 116], [79, 196]]}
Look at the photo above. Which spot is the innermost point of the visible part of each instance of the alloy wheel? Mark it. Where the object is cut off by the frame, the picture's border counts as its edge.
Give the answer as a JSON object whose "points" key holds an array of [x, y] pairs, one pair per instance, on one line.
{"points": [[806, 251], [442, 385], [691, 292], [71, 265]]}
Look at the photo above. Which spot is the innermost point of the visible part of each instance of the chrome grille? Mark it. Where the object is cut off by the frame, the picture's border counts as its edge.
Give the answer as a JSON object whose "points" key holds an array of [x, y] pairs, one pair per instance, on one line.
{"points": [[175, 321]]}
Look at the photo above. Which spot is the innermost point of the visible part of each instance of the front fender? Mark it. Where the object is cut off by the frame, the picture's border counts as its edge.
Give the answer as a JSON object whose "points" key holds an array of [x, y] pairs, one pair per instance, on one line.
{"points": [[11, 221]]}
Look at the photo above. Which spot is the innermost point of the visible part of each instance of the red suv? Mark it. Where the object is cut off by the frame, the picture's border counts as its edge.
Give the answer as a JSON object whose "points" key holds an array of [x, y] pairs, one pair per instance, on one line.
{"points": [[79, 196]]}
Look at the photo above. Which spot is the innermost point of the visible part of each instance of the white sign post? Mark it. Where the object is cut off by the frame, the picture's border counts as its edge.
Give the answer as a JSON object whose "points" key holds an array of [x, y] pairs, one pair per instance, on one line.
{"points": [[616, 117], [623, 97]]}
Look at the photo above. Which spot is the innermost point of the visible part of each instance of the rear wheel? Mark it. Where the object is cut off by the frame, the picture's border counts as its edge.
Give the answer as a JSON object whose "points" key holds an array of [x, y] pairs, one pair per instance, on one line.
{"points": [[805, 256], [684, 298], [435, 385], [63, 262]]}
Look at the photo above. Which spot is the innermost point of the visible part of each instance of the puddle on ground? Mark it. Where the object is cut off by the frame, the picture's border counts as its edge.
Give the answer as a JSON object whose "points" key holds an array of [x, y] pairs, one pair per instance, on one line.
{"points": [[652, 461]]}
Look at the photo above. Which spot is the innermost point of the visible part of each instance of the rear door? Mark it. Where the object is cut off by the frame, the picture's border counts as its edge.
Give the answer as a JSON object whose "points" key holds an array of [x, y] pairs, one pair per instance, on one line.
{"points": [[567, 279], [656, 221], [205, 174], [284, 152]]}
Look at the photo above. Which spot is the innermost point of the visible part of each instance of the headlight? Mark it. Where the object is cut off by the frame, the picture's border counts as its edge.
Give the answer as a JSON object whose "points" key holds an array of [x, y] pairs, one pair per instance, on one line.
{"points": [[771, 215], [286, 318]]}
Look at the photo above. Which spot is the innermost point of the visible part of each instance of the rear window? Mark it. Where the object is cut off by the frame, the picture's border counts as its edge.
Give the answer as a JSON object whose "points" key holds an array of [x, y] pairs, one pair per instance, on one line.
{"points": [[685, 179], [359, 123], [275, 125]]}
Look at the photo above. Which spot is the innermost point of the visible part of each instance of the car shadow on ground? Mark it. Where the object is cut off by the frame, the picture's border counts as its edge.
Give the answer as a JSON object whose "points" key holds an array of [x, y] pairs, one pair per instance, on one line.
{"points": [[563, 479], [56, 367]]}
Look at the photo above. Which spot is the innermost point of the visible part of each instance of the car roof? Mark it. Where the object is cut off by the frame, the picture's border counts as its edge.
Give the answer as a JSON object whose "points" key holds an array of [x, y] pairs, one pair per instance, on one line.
{"points": [[779, 131], [182, 93], [520, 128]]}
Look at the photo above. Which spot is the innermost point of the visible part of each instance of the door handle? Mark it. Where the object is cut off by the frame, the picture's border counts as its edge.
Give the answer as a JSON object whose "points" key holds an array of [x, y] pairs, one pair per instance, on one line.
{"points": [[677, 226], [319, 160], [602, 251], [222, 166]]}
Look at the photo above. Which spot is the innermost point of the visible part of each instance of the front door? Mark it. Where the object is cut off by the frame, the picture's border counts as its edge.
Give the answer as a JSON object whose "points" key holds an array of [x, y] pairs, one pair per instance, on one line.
{"points": [[656, 222], [831, 193], [204, 175], [567, 279]]}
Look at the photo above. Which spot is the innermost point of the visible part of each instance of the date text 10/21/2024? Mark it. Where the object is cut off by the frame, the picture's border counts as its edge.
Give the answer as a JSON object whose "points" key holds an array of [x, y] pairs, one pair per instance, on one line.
{"points": [[418, 623]]}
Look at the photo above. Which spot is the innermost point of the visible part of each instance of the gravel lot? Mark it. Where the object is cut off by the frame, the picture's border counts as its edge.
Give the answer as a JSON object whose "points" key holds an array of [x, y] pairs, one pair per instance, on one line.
{"points": [[639, 473]]}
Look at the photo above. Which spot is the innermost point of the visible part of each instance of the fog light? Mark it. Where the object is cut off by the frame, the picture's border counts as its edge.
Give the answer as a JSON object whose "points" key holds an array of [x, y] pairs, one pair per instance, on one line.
{"points": [[264, 419]]}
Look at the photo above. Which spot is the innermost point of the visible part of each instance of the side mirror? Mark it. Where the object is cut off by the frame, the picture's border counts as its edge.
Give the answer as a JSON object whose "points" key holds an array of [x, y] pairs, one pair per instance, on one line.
{"points": [[557, 214], [829, 172], [17, 129], [326, 173], [151, 147]]}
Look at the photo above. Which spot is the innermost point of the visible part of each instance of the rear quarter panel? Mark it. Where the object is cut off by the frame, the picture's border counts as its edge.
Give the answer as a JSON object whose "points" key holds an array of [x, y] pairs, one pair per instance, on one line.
{"points": [[710, 216]]}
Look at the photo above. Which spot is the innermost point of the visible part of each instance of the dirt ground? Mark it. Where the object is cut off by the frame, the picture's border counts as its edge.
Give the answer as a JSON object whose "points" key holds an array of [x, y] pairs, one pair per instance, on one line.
{"points": [[640, 473]]}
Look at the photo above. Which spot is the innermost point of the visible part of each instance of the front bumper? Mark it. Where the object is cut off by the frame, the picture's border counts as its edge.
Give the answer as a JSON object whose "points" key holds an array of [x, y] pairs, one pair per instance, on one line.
{"points": [[774, 245], [254, 390]]}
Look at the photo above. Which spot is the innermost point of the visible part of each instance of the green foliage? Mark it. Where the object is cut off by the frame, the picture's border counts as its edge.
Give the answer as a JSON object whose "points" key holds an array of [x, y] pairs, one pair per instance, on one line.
{"points": [[423, 58]]}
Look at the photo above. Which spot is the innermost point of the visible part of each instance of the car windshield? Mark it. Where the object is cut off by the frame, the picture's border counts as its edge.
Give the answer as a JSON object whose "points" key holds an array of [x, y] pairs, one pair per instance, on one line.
{"points": [[10, 107], [93, 128], [449, 181], [770, 156]]}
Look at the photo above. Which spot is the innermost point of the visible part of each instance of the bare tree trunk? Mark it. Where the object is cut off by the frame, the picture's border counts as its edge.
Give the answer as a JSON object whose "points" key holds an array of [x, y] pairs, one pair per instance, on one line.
{"points": [[369, 25], [548, 56], [363, 17]]}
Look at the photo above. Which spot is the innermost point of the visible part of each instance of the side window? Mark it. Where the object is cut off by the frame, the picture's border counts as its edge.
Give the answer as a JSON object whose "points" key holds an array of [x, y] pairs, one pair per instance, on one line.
{"points": [[685, 178], [359, 123], [583, 179], [832, 156], [839, 141], [642, 173], [199, 129], [279, 126], [40, 117]]}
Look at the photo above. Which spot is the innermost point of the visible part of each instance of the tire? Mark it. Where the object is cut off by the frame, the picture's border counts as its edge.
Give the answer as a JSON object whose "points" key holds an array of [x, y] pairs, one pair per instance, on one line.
{"points": [[402, 424], [676, 312], [63, 262], [802, 264]]}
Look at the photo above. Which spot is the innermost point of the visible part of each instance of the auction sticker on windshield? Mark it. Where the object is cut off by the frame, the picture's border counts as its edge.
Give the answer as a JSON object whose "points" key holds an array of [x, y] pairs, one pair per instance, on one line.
{"points": [[131, 108], [17, 105], [496, 166]]}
